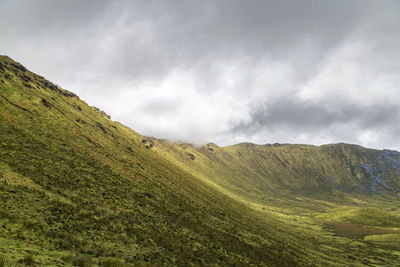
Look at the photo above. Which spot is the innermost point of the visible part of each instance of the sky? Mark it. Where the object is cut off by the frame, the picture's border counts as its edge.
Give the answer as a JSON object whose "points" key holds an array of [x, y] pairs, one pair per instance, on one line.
{"points": [[222, 71]]}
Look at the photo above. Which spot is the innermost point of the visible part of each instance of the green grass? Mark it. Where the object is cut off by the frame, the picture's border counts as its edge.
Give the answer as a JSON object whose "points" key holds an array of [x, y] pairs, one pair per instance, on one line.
{"points": [[77, 188], [375, 217]]}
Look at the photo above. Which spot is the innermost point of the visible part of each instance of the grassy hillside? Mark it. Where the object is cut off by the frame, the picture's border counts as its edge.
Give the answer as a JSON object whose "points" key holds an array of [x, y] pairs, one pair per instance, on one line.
{"points": [[77, 188], [298, 175]]}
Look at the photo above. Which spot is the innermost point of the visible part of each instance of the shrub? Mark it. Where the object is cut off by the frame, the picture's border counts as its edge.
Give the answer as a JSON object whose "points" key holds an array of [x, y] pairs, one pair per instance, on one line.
{"points": [[67, 258], [111, 263], [82, 261], [28, 260]]}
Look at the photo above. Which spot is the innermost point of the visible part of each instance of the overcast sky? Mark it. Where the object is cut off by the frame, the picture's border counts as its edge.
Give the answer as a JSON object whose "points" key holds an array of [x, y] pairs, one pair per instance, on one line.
{"points": [[310, 71]]}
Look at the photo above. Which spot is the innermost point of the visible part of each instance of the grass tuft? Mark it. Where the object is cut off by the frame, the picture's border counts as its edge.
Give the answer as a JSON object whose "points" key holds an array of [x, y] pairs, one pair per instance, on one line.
{"points": [[3, 262], [28, 260], [82, 261]]}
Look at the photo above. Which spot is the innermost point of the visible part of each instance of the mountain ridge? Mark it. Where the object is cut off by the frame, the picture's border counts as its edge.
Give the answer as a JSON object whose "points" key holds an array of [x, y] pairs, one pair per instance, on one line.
{"points": [[104, 192], [5, 58]]}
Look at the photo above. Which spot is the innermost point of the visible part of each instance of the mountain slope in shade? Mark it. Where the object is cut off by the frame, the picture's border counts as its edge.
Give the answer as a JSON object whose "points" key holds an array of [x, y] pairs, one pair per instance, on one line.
{"points": [[77, 188]]}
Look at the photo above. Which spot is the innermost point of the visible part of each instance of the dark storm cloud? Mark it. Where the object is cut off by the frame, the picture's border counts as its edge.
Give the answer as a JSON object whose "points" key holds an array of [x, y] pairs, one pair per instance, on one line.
{"points": [[306, 117], [152, 37], [225, 71]]}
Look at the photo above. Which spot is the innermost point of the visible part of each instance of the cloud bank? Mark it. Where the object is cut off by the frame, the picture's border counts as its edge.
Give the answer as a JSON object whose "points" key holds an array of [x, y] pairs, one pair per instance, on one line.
{"points": [[222, 71]]}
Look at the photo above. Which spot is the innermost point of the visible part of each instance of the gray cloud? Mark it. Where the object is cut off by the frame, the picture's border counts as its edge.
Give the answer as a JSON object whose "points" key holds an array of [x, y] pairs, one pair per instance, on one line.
{"points": [[224, 71], [306, 117]]}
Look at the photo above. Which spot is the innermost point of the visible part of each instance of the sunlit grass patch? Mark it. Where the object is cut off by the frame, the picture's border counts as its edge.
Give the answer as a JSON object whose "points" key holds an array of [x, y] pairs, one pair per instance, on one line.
{"points": [[357, 231]]}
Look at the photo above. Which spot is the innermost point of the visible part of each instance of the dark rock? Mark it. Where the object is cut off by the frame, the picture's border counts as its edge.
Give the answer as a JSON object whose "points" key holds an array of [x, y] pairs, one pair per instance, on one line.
{"points": [[149, 195], [57, 89], [80, 121], [28, 85], [46, 103], [105, 114], [210, 149], [67, 93], [18, 66], [99, 125], [95, 108], [26, 78], [366, 261]]}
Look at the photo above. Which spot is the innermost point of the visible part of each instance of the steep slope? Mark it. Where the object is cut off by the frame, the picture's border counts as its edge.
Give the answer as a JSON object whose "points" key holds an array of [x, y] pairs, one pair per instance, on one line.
{"points": [[334, 173], [77, 187]]}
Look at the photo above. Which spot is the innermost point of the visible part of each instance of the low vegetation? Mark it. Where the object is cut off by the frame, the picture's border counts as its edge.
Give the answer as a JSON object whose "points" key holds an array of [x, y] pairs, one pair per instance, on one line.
{"points": [[77, 188]]}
